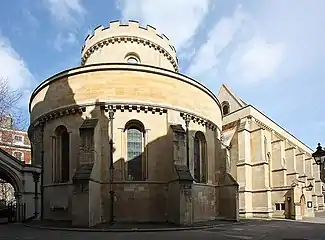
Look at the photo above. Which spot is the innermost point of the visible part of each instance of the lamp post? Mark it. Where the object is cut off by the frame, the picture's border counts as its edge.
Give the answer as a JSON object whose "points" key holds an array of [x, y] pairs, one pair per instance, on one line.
{"points": [[111, 165], [319, 157], [36, 177]]}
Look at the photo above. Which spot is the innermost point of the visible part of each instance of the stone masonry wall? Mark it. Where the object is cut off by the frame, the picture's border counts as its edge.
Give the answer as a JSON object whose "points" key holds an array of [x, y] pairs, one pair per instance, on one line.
{"points": [[204, 202], [140, 202]]}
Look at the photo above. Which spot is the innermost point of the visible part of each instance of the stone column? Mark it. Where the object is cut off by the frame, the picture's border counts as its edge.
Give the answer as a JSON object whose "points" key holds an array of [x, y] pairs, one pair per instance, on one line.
{"points": [[290, 156], [244, 169], [260, 175], [279, 170], [301, 168], [318, 195]]}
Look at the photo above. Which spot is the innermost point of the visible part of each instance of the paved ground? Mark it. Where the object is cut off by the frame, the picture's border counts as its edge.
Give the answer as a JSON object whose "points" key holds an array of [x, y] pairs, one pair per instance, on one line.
{"points": [[255, 229]]}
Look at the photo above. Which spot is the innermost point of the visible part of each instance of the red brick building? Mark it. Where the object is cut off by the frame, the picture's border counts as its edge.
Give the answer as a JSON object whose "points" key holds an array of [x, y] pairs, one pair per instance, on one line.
{"points": [[15, 142]]}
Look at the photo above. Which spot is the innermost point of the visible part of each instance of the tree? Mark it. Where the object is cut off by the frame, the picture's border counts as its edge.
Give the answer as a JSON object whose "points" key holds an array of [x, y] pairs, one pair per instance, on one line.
{"points": [[12, 117], [7, 192], [11, 114]]}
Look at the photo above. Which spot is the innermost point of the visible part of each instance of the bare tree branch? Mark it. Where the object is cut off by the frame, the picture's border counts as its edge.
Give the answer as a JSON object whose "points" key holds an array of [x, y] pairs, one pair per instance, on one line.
{"points": [[9, 106]]}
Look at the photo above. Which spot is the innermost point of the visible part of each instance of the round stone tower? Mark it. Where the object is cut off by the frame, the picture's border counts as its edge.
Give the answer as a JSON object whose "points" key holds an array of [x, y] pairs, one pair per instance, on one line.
{"points": [[113, 134], [129, 43]]}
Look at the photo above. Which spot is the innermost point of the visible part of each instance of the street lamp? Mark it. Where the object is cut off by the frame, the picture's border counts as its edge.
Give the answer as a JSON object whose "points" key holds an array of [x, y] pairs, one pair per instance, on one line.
{"points": [[309, 187], [319, 155]]}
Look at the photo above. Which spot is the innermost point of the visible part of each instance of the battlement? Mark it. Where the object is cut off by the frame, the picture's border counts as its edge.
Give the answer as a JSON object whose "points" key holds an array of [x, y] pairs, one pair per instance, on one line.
{"points": [[131, 29]]}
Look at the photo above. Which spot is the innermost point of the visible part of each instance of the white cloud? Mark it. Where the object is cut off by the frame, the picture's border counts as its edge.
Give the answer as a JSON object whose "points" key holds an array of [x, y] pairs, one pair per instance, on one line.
{"points": [[14, 69], [218, 38], [255, 60], [65, 11], [178, 20], [65, 40]]}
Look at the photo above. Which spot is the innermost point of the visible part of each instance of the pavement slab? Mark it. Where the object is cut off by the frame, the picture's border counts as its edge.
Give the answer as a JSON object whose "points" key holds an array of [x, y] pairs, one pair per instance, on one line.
{"points": [[262, 230]]}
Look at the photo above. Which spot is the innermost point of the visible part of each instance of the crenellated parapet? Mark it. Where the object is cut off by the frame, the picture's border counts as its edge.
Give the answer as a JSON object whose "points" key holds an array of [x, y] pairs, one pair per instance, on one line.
{"points": [[130, 36]]}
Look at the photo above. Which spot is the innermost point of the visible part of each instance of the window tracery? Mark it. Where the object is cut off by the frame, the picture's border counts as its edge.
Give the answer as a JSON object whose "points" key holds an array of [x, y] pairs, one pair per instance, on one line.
{"points": [[135, 133]]}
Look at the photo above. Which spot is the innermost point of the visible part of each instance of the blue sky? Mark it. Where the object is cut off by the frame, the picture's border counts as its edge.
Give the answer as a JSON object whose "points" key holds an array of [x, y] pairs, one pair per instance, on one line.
{"points": [[271, 53]]}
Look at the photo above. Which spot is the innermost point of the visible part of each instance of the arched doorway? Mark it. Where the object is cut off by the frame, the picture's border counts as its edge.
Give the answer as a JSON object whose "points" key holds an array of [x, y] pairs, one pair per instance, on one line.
{"points": [[18, 177], [302, 205], [9, 191]]}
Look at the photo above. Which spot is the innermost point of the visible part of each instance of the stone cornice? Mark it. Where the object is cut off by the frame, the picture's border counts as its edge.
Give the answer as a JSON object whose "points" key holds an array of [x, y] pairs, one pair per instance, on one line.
{"points": [[230, 125], [132, 39], [254, 112], [133, 107], [199, 120], [264, 126], [137, 107]]}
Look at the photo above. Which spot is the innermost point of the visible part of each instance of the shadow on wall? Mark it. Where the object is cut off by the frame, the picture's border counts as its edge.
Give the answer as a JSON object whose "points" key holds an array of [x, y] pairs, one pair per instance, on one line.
{"points": [[61, 127], [159, 199], [86, 158]]}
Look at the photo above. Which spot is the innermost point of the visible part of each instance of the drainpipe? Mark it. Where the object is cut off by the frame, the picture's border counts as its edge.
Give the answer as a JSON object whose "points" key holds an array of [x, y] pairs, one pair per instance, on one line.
{"points": [[111, 167], [187, 122], [42, 172]]}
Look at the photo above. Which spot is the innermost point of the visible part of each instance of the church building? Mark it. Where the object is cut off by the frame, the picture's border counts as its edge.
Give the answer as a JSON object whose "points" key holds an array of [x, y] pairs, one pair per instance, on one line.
{"points": [[276, 173], [125, 137], [121, 138]]}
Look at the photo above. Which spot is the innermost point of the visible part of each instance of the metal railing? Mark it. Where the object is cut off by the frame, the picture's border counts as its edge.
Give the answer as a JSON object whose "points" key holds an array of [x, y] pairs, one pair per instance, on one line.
{"points": [[14, 212]]}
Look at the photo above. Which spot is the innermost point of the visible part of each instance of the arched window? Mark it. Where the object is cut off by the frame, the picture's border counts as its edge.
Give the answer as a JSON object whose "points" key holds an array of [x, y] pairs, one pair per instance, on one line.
{"points": [[200, 154], [225, 108], [135, 132], [132, 58], [61, 155]]}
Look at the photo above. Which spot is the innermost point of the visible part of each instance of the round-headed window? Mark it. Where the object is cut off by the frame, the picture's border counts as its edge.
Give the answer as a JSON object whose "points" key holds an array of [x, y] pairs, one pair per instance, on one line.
{"points": [[225, 108], [132, 59]]}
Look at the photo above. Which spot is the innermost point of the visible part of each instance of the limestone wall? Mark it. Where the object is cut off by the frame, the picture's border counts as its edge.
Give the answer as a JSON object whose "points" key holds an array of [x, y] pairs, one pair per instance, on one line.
{"points": [[116, 42], [204, 202], [125, 84], [57, 201], [265, 164], [140, 202]]}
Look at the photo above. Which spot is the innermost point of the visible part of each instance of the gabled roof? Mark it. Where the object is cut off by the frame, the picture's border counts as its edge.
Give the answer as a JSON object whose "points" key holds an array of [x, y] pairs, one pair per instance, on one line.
{"points": [[231, 93]]}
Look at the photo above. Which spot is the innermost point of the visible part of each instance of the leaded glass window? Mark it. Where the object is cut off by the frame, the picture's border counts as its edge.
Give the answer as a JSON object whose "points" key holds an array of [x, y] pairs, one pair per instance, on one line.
{"points": [[134, 143], [134, 155]]}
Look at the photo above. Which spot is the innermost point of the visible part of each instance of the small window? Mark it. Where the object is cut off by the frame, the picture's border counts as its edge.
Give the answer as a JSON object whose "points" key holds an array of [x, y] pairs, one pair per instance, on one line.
{"points": [[280, 206], [225, 108], [277, 206], [18, 139], [19, 155], [132, 60]]}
